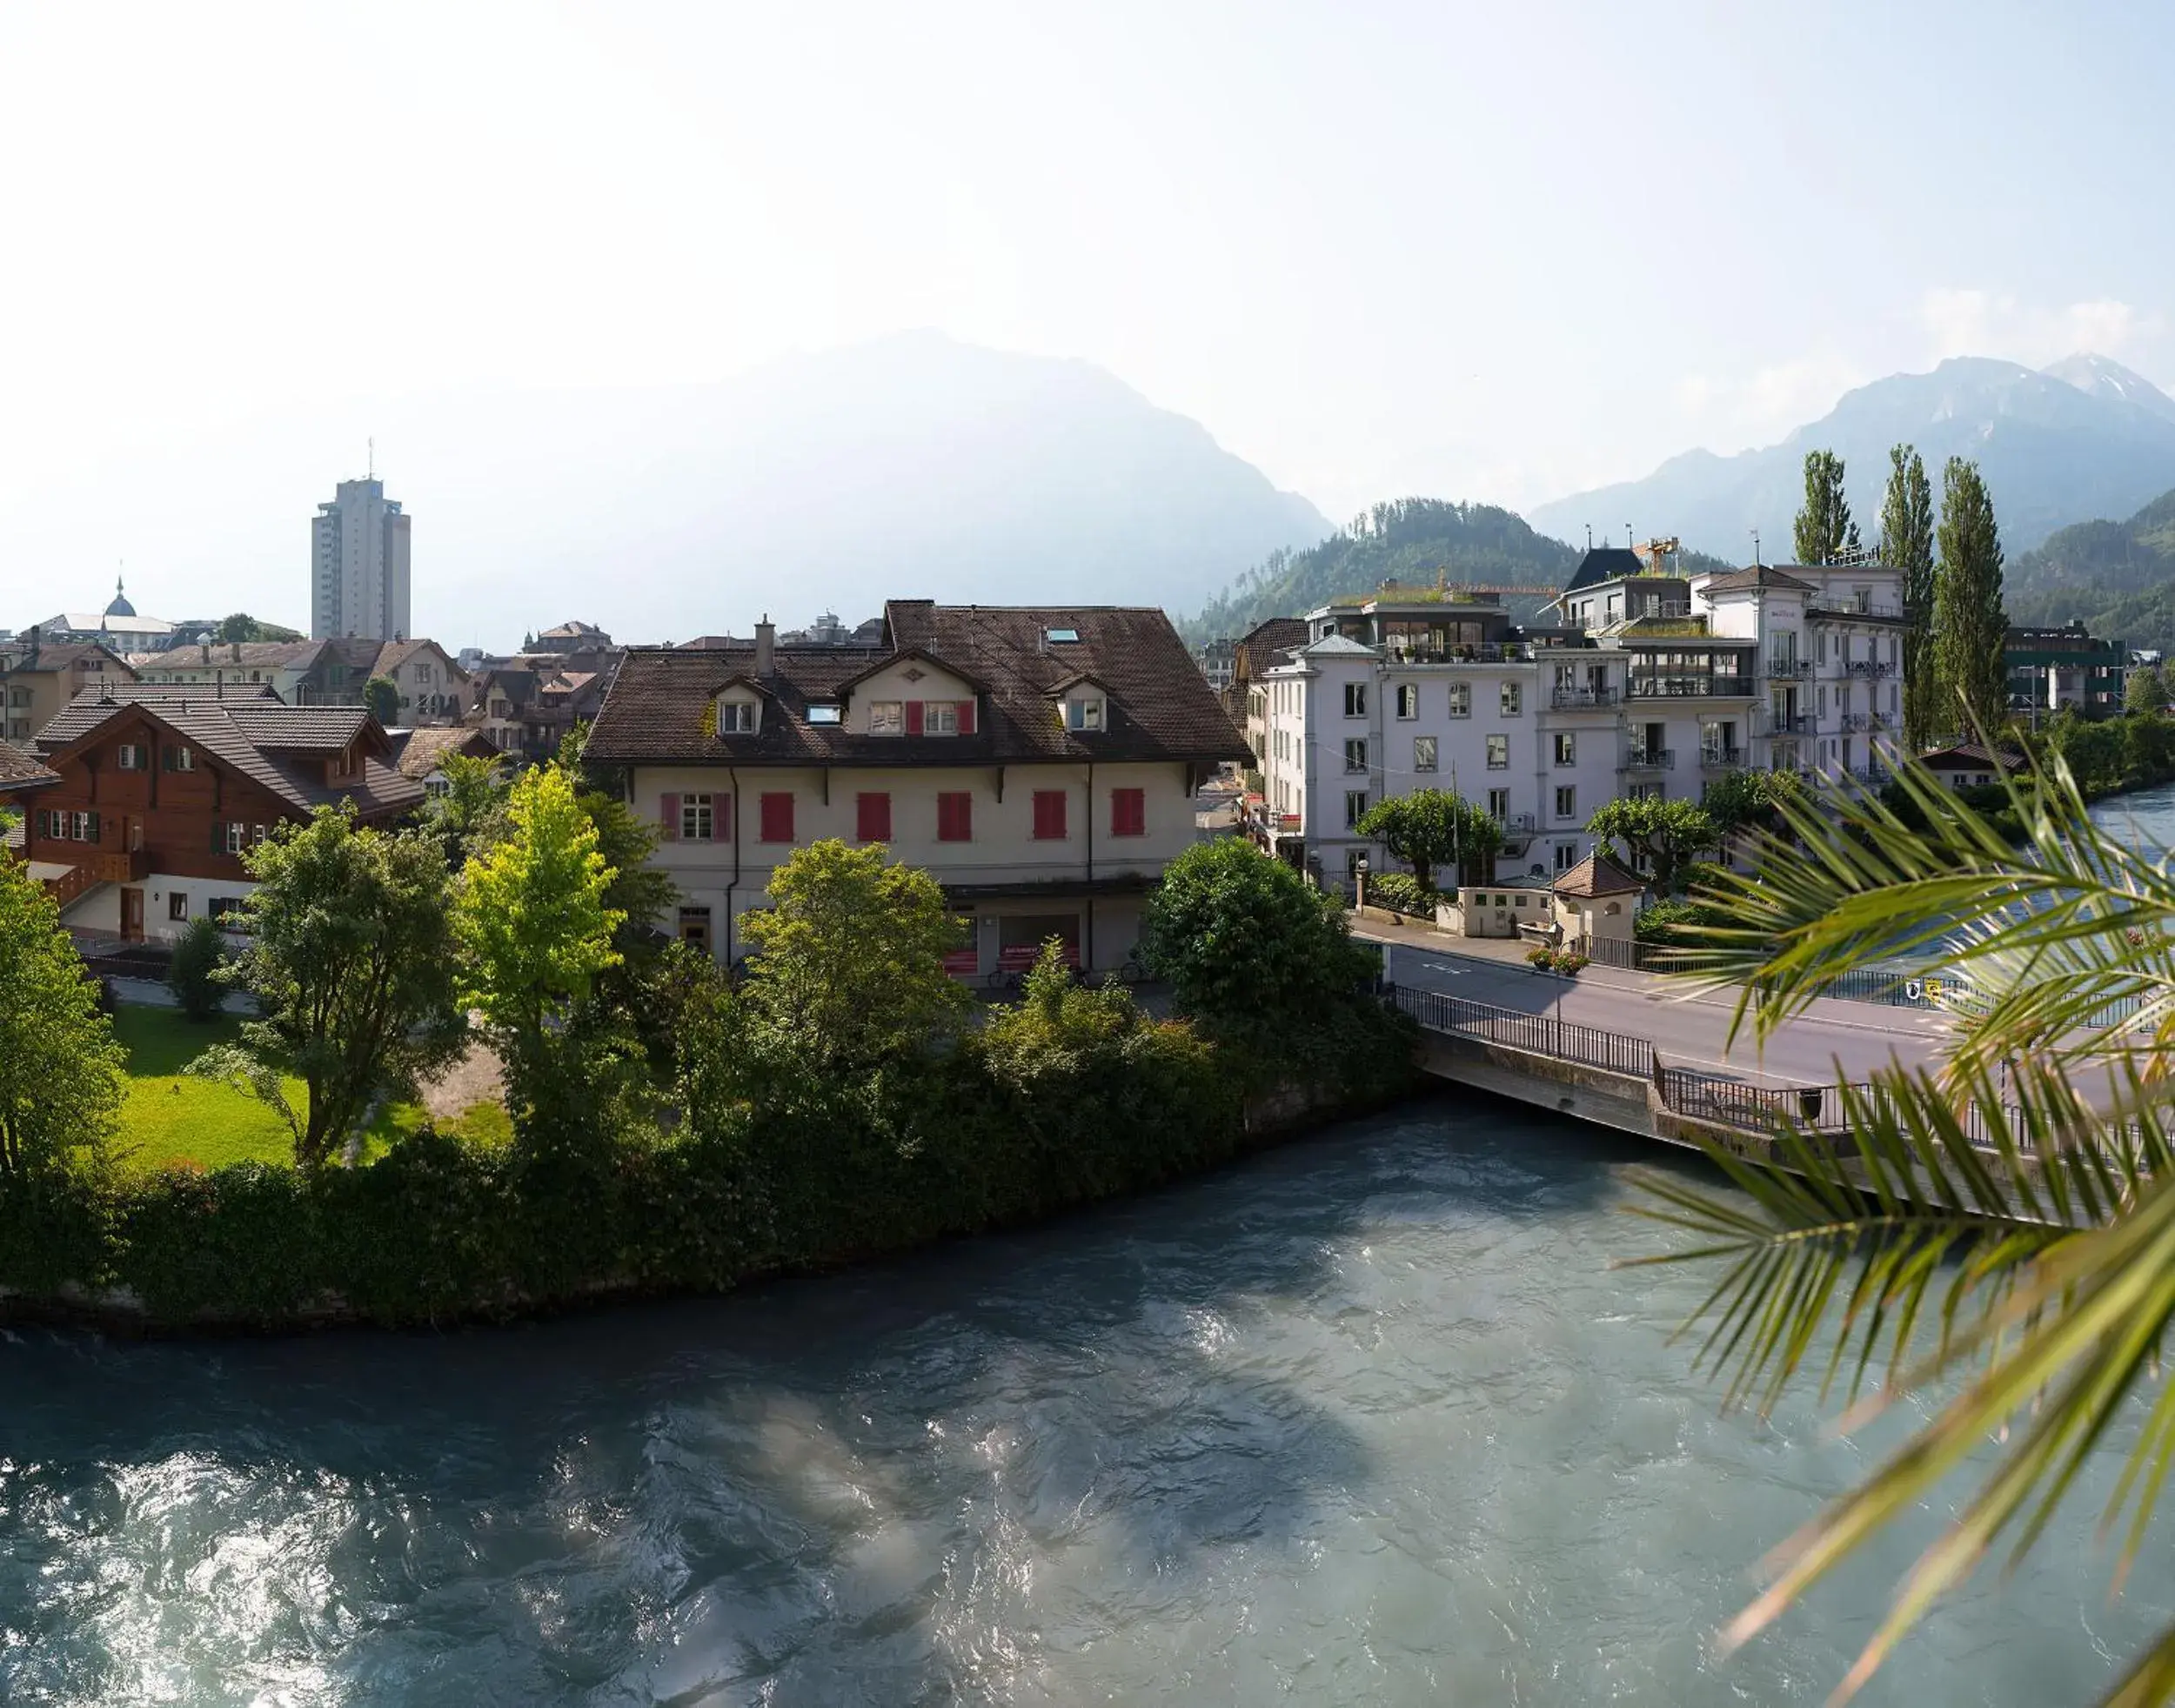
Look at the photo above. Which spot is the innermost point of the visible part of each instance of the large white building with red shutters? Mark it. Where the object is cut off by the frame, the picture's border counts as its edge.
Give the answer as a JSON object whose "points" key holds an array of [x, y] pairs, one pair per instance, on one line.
{"points": [[1041, 763]]}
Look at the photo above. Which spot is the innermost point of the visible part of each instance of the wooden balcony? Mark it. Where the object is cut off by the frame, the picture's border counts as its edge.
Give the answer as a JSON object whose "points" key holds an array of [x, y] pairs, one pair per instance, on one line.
{"points": [[90, 870]]}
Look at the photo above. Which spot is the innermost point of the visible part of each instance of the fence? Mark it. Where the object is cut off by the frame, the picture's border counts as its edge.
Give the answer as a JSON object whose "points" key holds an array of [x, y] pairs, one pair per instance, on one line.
{"points": [[1537, 1035]]}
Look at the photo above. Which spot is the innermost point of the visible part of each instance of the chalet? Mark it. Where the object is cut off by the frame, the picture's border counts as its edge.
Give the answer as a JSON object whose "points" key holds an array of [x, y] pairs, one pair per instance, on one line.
{"points": [[1963, 765], [157, 798], [421, 755], [1041, 763]]}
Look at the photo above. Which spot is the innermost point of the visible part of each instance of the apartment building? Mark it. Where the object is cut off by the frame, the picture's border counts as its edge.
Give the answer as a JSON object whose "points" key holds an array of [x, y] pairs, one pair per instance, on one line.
{"points": [[1043, 763], [432, 688], [2053, 669], [38, 678], [1657, 683]]}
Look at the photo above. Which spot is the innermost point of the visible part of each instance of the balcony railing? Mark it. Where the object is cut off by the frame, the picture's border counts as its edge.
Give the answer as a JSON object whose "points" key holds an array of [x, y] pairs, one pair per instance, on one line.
{"points": [[1853, 722], [1789, 669], [1868, 667], [1722, 759], [1830, 605], [1650, 759], [1692, 687], [1461, 652], [1569, 699], [1798, 725]]}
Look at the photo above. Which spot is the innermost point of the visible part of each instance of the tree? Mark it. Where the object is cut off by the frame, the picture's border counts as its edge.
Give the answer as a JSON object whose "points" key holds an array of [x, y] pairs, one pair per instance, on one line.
{"points": [[534, 928], [351, 961], [1665, 836], [1432, 828], [2143, 690], [243, 626], [381, 698], [849, 959], [1247, 944], [1906, 530], [193, 975], [1971, 630], [2011, 1277], [471, 814], [1823, 530], [61, 1072]]}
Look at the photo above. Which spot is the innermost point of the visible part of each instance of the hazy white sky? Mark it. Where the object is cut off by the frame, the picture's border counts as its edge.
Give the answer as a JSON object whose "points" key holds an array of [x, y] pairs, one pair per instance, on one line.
{"points": [[1488, 251]]}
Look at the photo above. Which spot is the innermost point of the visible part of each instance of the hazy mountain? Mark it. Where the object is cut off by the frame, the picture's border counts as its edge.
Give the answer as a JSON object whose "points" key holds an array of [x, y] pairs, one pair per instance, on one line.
{"points": [[1411, 541], [909, 466], [2118, 577], [2086, 438]]}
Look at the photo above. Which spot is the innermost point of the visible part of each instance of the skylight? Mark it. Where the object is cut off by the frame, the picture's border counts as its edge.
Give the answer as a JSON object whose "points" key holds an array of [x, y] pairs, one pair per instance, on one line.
{"points": [[1054, 634], [823, 715]]}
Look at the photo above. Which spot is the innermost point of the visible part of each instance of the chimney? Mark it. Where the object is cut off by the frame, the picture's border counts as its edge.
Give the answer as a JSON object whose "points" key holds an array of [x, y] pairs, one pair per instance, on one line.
{"points": [[765, 641]]}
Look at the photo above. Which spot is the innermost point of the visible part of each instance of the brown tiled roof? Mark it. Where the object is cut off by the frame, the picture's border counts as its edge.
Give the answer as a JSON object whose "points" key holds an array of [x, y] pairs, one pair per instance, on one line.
{"points": [[1161, 705], [1595, 875], [420, 751], [233, 654], [21, 770], [1971, 752], [1759, 575], [1258, 646], [53, 658], [281, 746]]}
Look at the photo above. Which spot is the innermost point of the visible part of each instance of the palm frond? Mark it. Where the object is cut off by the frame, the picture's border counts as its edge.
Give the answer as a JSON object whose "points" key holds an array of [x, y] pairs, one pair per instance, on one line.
{"points": [[2151, 1679]]}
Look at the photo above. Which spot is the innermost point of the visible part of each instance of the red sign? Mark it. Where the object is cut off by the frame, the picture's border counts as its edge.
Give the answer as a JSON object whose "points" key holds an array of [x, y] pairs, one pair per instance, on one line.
{"points": [[963, 964], [1020, 957]]}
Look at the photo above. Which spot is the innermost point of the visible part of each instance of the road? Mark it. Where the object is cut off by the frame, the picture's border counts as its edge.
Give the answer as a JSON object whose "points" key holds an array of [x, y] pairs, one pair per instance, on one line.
{"points": [[1686, 1028]]}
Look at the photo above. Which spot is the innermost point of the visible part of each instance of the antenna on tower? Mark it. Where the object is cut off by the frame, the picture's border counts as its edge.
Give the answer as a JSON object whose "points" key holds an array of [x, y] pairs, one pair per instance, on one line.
{"points": [[1755, 548], [1589, 536], [372, 464]]}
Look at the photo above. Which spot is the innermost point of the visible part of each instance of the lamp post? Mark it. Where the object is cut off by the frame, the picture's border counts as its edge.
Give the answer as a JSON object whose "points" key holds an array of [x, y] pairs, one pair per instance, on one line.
{"points": [[1359, 882]]}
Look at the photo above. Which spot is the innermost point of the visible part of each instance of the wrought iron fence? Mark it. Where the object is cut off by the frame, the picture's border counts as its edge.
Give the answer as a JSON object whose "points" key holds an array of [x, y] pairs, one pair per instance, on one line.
{"points": [[1537, 1035]]}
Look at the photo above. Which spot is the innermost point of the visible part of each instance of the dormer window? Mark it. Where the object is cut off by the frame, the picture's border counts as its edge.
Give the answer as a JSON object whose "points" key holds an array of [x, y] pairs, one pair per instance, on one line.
{"points": [[939, 717], [736, 717], [1083, 715], [826, 714], [887, 717]]}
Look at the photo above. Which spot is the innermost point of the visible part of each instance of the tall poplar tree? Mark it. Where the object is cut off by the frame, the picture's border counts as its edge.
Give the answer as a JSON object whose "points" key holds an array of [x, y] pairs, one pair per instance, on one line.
{"points": [[1823, 529], [1906, 538], [1970, 628]]}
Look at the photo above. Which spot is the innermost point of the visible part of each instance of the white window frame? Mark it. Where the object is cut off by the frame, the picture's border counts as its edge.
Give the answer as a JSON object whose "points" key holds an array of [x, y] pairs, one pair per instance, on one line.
{"points": [[939, 717], [1499, 753], [1511, 700], [736, 717], [1356, 754], [1426, 754], [1461, 699], [1408, 700], [698, 817], [1566, 800], [1355, 700], [1355, 808], [1566, 748]]}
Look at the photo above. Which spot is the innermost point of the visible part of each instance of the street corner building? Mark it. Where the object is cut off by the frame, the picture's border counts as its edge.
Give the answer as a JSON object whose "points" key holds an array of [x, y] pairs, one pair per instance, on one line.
{"points": [[1041, 763]]}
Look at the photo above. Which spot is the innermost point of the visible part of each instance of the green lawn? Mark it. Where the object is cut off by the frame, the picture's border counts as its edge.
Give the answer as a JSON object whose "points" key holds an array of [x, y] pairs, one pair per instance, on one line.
{"points": [[171, 1118]]}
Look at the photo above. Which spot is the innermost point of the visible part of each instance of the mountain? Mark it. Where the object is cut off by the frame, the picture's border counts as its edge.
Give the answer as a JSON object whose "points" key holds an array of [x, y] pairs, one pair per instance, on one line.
{"points": [[909, 466], [2119, 578], [1411, 541], [2086, 438]]}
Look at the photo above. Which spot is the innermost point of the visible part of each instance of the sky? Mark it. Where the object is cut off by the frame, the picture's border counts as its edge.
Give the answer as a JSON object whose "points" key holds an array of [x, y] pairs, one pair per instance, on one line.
{"points": [[1477, 252]]}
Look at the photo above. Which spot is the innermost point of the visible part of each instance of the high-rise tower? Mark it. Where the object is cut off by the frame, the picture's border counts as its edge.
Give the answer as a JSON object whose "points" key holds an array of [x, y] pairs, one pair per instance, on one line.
{"points": [[359, 565]]}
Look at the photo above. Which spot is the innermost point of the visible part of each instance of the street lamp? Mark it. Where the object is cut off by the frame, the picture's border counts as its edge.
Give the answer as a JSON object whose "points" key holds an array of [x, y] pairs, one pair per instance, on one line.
{"points": [[1359, 882]]}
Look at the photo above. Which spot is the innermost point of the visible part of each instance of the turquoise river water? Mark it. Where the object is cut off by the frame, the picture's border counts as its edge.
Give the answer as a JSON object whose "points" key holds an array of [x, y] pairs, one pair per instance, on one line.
{"points": [[1369, 1420]]}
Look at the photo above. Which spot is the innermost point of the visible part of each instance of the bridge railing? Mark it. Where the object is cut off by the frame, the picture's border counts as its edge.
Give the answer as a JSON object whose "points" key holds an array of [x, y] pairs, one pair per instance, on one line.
{"points": [[1537, 1035]]}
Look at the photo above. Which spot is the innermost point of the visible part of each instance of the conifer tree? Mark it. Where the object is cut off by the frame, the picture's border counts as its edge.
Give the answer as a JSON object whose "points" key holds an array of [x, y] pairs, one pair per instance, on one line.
{"points": [[1823, 529], [1970, 628], [1906, 529]]}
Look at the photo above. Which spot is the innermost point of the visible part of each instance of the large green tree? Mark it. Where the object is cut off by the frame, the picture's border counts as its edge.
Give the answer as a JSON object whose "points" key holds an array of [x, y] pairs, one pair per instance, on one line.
{"points": [[1970, 629], [471, 814], [61, 1073], [351, 961], [1823, 529], [847, 965], [381, 698], [2143, 690], [1664, 836], [1433, 828], [1989, 1243], [1906, 533]]}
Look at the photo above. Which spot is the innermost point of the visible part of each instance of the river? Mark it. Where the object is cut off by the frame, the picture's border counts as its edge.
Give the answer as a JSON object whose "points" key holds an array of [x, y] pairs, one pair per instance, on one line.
{"points": [[1370, 1419]]}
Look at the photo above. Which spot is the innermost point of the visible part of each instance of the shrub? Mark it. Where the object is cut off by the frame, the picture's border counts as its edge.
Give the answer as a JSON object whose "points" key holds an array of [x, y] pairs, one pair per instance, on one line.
{"points": [[194, 975], [1400, 892], [1540, 958]]}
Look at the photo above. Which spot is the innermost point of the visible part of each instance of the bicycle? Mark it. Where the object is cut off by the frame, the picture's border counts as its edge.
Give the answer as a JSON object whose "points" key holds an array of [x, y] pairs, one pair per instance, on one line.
{"points": [[1131, 970]]}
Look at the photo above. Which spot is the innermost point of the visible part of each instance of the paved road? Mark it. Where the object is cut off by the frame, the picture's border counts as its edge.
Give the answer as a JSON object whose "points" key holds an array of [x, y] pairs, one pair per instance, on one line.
{"points": [[1687, 1030]]}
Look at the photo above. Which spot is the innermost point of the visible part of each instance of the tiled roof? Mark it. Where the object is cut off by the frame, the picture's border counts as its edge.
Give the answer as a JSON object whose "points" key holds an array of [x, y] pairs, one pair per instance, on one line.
{"points": [[1258, 646], [1759, 575], [420, 751], [1596, 875], [1161, 705], [233, 654], [59, 657], [281, 746], [21, 770], [1971, 752]]}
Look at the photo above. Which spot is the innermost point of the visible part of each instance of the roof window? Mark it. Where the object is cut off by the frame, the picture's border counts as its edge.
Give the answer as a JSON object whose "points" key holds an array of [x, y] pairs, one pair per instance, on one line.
{"points": [[828, 713], [1061, 634]]}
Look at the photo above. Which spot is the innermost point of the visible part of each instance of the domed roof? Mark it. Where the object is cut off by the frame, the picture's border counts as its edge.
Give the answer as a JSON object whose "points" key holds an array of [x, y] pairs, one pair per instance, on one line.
{"points": [[120, 607]]}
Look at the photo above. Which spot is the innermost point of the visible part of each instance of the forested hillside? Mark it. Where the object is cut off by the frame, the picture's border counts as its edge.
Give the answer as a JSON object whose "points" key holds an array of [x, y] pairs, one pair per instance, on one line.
{"points": [[2118, 577], [1408, 540]]}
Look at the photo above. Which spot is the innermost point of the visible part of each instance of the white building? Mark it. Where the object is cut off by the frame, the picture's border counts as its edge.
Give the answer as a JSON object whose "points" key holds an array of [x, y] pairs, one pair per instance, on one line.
{"points": [[359, 565], [1042, 764], [1659, 685]]}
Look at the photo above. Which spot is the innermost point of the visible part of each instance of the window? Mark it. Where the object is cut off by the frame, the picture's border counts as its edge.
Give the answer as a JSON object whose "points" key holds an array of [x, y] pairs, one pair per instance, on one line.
{"points": [[1049, 816], [177, 904], [436, 787], [1566, 748], [1408, 700], [1499, 807], [954, 816], [1566, 856], [1566, 803], [1423, 753], [131, 756], [1499, 753], [230, 911], [1128, 812], [1510, 699], [736, 717], [1083, 715], [1355, 755], [1461, 699], [885, 717], [1355, 808], [178, 759], [872, 818], [694, 928], [825, 713], [83, 826], [1355, 700], [777, 818], [939, 717], [236, 838], [1060, 636], [696, 822]]}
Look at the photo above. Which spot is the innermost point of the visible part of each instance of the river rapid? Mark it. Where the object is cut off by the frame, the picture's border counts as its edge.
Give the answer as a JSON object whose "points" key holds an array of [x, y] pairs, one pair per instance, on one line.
{"points": [[1370, 1419]]}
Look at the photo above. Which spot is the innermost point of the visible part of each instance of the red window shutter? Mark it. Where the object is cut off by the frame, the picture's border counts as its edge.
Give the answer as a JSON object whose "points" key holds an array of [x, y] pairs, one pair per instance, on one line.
{"points": [[872, 817], [777, 818], [668, 818], [1049, 816], [913, 717], [966, 717], [1128, 812], [955, 817]]}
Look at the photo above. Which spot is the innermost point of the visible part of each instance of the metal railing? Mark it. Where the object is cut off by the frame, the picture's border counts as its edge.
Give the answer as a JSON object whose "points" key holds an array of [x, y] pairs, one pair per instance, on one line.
{"points": [[1692, 687], [1852, 722], [1537, 1035], [1722, 759], [1569, 699], [1829, 605], [1789, 669], [1868, 667], [1650, 759]]}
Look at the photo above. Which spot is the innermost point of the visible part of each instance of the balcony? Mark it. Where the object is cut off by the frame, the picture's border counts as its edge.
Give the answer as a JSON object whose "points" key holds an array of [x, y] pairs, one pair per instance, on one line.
{"points": [[1722, 759], [1868, 667], [1853, 723], [1570, 699], [1827, 605], [1788, 669], [1797, 724], [1460, 651], [1650, 759], [1692, 687]]}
